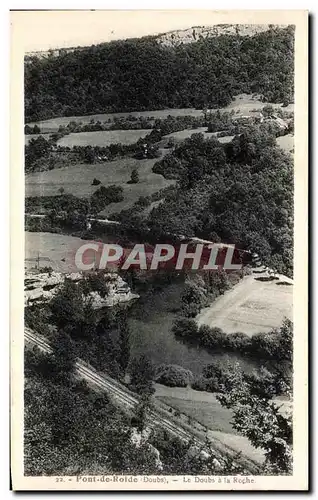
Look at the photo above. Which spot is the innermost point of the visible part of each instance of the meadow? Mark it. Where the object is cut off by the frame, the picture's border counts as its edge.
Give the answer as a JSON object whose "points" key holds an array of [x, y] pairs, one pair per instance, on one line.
{"points": [[201, 406], [244, 103], [286, 142], [77, 180], [102, 138], [251, 306], [184, 134]]}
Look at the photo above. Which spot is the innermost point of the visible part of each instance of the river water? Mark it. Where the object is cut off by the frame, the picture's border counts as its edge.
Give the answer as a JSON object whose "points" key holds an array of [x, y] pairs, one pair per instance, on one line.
{"points": [[150, 318]]}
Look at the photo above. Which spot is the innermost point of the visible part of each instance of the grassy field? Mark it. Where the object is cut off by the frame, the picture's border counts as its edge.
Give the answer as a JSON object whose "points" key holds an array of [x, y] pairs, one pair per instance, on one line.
{"points": [[51, 248], [201, 406], [54, 123], [243, 103], [77, 180], [286, 142], [102, 138], [184, 134], [250, 307], [27, 138], [204, 408]]}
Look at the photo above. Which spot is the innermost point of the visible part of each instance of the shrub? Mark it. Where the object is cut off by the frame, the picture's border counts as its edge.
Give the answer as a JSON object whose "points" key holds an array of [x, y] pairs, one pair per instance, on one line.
{"points": [[211, 337], [238, 342], [211, 384], [185, 328], [96, 182], [173, 376], [134, 178], [193, 299]]}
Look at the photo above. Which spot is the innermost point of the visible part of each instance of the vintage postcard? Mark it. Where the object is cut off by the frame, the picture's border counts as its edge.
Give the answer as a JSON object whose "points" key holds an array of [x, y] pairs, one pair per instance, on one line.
{"points": [[159, 177]]}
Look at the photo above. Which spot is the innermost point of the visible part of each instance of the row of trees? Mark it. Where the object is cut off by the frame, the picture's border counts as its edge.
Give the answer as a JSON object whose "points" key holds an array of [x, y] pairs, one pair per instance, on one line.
{"points": [[276, 344]]}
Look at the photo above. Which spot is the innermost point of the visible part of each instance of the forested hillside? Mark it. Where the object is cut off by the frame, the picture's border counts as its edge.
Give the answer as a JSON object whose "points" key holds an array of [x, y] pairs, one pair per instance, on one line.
{"points": [[142, 74]]}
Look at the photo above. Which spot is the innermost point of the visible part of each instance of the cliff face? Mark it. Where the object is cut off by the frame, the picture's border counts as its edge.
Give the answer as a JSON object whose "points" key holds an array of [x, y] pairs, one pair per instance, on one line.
{"points": [[190, 35]]}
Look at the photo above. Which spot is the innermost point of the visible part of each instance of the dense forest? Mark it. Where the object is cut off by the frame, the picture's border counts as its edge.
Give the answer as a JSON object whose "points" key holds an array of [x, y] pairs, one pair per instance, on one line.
{"points": [[140, 74], [242, 194]]}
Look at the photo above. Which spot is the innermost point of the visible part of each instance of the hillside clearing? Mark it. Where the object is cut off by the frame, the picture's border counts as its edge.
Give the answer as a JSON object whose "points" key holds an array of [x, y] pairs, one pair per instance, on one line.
{"points": [[102, 138], [184, 134], [286, 142], [244, 103], [77, 180], [205, 409]]}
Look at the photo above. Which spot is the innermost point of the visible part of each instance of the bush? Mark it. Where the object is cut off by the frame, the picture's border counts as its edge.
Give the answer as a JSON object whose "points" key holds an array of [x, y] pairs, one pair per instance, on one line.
{"points": [[238, 342], [134, 178], [173, 376], [103, 196], [211, 337], [185, 328], [96, 182], [206, 384], [193, 299]]}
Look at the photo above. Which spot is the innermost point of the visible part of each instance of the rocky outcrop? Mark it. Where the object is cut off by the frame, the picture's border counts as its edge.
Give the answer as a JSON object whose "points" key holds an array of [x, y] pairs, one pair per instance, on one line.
{"points": [[190, 35], [42, 286]]}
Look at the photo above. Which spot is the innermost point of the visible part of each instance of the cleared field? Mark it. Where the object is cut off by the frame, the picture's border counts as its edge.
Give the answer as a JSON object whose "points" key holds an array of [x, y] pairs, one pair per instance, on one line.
{"points": [[51, 248], [242, 102], [102, 138], [54, 123], [77, 180], [251, 306], [245, 103], [201, 406], [205, 409], [286, 142], [184, 134], [27, 138]]}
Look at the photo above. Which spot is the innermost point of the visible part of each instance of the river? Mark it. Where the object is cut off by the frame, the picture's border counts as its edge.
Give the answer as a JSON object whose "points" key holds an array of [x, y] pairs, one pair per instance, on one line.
{"points": [[151, 317]]}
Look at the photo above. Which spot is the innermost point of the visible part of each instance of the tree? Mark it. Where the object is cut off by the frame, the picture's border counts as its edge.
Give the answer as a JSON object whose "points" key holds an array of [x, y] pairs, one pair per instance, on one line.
{"points": [[173, 376], [134, 178], [193, 299], [141, 375], [64, 353], [211, 337], [260, 420], [268, 111], [71, 313], [140, 413], [96, 182], [123, 341], [184, 328]]}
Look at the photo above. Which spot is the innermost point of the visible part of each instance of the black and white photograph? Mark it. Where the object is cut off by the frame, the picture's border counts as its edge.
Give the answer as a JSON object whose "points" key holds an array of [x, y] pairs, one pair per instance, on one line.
{"points": [[161, 333]]}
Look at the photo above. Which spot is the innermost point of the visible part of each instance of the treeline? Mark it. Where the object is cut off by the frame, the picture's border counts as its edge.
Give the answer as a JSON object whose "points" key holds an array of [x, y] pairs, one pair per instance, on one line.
{"points": [[274, 349], [141, 74], [43, 154], [276, 345], [71, 209]]}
